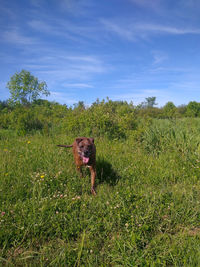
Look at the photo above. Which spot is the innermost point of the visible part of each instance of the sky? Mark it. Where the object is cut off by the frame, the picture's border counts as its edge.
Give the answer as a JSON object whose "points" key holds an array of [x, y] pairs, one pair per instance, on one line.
{"points": [[126, 50]]}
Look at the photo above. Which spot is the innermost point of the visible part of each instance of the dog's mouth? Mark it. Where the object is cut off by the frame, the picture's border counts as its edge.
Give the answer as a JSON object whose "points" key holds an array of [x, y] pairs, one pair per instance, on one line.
{"points": [[85, 156], [85, 160]]}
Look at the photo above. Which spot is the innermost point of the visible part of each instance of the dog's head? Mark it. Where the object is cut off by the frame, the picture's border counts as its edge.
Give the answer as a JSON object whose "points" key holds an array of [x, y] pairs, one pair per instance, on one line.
{"points": [[85, 148]]}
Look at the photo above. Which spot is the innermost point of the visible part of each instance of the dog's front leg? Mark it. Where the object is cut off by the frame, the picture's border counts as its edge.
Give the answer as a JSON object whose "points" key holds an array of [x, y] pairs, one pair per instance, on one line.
{"points": [[80, 171], [93, 176]]}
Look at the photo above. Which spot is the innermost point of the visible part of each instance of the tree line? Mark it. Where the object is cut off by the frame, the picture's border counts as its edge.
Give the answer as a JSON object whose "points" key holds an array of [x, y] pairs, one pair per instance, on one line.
{"points": [[25, 112]]}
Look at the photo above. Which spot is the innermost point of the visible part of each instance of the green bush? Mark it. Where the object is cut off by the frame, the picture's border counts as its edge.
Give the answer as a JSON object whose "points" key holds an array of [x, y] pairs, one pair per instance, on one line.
{"points": [[25, 121]]}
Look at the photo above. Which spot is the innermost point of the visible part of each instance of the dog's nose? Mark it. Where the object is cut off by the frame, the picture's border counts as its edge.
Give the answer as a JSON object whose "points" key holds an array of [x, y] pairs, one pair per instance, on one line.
{"points": [[86, 153]]}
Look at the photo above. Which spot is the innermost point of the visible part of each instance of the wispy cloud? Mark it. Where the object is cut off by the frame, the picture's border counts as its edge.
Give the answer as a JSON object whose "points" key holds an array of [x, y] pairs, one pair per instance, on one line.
{"points": [[120, 30], [9, 13], [62, 97], [165, 83], [139, 30], [63, 68], [156, 28], [159, 57], [53, 30], [153, 5], [77, 85], [138, 97], [15, 36], [72, 71], [168, 11], [41, 26], [76, 8], [77, 33]]}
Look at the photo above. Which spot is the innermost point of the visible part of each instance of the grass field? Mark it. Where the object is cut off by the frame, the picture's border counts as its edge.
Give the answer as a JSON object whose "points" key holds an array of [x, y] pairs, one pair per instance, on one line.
{"points": [[146, 212]]}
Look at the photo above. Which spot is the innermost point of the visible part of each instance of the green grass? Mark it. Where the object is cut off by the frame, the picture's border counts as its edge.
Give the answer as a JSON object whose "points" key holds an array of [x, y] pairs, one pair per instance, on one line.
{"points": [[146, 212]]}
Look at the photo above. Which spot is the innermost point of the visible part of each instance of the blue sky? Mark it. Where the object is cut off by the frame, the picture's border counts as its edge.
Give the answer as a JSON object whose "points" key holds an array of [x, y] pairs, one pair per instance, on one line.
{"points": [[89, 49]]}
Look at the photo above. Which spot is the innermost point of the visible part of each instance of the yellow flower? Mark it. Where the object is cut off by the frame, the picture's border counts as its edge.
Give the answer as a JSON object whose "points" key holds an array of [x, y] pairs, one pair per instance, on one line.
{"points": [[28, 142], [42, 176]]}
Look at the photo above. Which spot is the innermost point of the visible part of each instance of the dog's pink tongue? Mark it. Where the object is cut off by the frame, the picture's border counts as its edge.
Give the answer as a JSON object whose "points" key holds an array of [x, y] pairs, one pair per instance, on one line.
{"points": [[85, 160]]}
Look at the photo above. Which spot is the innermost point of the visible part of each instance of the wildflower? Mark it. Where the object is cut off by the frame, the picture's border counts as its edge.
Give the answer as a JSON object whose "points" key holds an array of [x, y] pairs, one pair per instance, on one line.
{"points": [[42, 176], [76, 197], [126, 224], [57, 212], [3, 213], [28, 142]]}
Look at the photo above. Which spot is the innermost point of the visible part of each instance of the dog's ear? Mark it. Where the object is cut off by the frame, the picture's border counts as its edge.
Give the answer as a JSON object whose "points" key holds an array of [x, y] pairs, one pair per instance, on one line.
{"points": [[92, 140], [78, 140]]}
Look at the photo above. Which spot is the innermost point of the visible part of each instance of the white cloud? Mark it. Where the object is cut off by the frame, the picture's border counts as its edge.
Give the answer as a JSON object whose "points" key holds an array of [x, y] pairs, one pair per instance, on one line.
{"points": [[138, 30], [62, 98], [16, 37], [64, 67], [120, 30], [159, 57], [77, 85], [156, 28]]}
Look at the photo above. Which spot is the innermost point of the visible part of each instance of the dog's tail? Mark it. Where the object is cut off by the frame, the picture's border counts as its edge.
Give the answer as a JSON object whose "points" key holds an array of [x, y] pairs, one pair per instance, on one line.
{"points": [[65, 145]]}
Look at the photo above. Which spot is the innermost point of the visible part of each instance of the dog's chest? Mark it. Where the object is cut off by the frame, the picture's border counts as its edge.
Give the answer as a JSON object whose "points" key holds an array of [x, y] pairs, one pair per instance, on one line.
{"points": [[88, 166]]}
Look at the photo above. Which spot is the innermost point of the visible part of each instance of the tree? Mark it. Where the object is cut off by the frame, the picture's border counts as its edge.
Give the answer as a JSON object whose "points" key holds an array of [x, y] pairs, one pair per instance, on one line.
{"points": [[4, 104], [193, 109], [25, 88], [181, 110], [151, 102], [80, 106], [169, 109]]}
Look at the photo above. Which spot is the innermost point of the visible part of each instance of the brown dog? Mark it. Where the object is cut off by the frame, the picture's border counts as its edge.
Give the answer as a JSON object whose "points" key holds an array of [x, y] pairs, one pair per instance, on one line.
{"points": [[84, 152]]}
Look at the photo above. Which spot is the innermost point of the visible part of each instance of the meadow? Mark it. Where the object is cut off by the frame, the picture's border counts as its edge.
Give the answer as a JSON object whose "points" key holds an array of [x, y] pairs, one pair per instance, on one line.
{"points": [[146, 212]]}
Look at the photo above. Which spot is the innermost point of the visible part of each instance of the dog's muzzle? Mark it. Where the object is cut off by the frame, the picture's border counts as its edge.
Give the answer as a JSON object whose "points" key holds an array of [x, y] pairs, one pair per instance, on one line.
{"points": [[85, 156]]}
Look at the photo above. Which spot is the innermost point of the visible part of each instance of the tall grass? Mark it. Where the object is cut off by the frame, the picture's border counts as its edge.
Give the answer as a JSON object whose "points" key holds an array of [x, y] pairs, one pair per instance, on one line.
{"points": [[146, 212]]}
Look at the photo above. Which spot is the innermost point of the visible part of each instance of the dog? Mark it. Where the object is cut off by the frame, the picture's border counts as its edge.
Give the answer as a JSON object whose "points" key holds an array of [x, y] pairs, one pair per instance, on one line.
{"points": [[84, 152]]}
